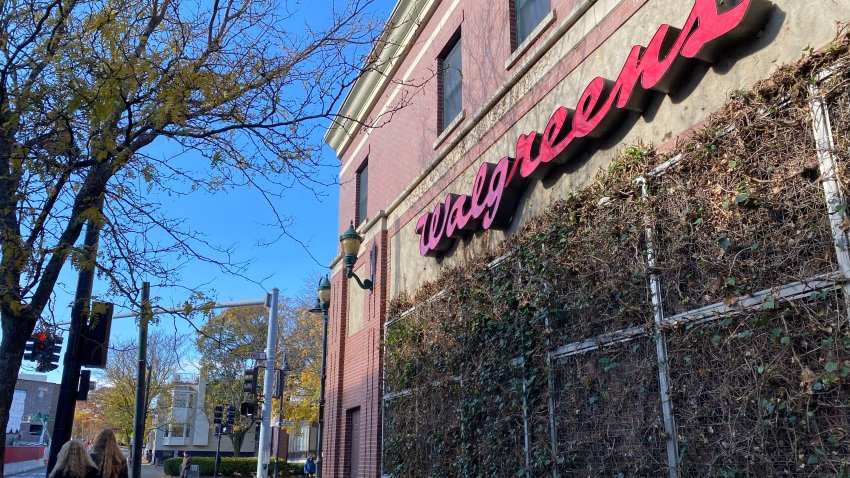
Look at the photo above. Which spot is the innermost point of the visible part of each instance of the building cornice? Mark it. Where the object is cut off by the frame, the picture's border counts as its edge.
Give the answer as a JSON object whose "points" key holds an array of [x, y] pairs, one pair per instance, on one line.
{"points": [[403, 27]]}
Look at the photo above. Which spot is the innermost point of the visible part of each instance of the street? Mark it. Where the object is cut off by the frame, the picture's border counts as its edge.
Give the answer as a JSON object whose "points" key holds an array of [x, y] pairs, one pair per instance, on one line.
{"points": [[148, 471]]}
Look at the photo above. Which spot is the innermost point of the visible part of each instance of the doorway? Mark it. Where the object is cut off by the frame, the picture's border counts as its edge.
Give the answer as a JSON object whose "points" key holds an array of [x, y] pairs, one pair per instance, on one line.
{"points": [[352, 440]]}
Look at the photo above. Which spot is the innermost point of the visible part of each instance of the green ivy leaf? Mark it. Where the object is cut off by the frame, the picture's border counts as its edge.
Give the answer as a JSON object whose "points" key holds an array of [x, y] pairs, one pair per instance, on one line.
{"points": [[831, 367], [769, 304]]}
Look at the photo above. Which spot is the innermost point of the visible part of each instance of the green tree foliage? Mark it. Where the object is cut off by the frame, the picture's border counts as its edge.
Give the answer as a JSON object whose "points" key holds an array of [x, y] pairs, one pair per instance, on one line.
{"points": [[227, 339], [115, 399], [93, 96], [224, 343]]}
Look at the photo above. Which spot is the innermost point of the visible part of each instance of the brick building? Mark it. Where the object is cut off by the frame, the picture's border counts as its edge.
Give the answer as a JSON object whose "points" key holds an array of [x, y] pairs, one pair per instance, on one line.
{"points": [[467, 80], [39, 398]]}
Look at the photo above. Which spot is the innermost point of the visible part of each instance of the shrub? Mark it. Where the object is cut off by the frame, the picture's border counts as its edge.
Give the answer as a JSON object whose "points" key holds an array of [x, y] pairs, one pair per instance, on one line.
{"points": [[230, 465]]}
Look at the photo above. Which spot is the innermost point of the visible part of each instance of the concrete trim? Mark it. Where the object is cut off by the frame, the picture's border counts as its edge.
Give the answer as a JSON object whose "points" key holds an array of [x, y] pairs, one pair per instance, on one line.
{"points": [[395, 42], [447, 131]]}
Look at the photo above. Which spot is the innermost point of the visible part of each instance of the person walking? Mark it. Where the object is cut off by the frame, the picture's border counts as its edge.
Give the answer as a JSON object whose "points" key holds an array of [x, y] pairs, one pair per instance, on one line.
{"points": [[184, 467], [107, 455], [73, 462], [310, 466]]}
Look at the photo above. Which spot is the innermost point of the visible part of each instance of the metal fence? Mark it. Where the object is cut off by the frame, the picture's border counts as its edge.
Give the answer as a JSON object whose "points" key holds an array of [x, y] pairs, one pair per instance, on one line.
{"points": [[661, 401]]}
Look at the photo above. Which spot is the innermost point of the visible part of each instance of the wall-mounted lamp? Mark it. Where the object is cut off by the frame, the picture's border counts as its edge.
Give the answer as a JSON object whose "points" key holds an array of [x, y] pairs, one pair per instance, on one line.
{"points": [[351, 241]]}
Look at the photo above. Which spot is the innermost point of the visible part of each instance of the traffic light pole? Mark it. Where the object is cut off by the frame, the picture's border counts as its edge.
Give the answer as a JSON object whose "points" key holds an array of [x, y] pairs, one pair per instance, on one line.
{"points": [[67, 401], [271, 349], [219, 429], [141, 405]]}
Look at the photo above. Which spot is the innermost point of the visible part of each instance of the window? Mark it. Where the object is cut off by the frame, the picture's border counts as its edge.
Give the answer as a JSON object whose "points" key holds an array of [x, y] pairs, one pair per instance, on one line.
{"points": [[449, 83], [526, 15], [178, 430], [183, 400], [362, 192]]}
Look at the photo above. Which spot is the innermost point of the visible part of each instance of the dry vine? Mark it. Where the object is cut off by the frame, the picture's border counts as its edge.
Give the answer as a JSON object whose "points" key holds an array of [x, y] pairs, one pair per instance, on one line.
{"points": [[756, 393]]}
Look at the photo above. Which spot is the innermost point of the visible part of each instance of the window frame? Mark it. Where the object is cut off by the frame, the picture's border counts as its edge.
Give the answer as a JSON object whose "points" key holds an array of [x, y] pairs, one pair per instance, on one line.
{"points": [[454, 47], [516, 23], [361, 206]]}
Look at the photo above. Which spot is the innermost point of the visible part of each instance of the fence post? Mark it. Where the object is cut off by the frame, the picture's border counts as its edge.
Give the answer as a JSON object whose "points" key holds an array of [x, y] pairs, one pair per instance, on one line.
{"points": [[825, 144], [661, 348]]}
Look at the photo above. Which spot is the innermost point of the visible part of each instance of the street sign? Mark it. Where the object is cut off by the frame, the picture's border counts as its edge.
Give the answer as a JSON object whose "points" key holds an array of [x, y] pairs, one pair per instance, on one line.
{"points": [[285, 423], [257, 355]]}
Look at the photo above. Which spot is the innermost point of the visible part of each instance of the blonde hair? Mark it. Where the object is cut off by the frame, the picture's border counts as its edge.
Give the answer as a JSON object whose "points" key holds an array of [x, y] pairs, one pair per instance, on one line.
{"points": [[73, 460], [112, 461]]}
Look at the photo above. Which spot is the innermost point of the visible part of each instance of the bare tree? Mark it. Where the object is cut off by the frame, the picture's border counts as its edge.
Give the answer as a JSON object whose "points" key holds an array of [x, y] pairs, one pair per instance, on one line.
{"points": [[115, 399], [92, 92]]}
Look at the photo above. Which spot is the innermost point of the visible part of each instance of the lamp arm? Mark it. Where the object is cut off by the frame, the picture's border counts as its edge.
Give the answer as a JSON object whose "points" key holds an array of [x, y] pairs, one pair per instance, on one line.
{"points": [[365, 284]]}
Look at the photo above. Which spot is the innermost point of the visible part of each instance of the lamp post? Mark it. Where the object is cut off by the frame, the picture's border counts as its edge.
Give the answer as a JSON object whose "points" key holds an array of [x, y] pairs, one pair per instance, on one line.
{"points": [[281, 384], [323, 303], [350, 242]]}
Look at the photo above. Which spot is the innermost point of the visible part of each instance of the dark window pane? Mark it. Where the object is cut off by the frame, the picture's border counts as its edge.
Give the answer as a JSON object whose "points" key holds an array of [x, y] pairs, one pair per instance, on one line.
{"points": [[362, 193], [451, 77], [529, 13]]}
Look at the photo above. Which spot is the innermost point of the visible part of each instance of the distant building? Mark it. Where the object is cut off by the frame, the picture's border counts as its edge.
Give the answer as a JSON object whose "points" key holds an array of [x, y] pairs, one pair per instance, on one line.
{"points": [[38, 399], [187, 428], [299, 442]]}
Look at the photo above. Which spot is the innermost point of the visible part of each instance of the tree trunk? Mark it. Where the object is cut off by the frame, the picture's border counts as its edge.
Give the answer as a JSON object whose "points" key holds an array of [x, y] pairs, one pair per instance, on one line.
{"points": [[236, 439], [17, 329]]}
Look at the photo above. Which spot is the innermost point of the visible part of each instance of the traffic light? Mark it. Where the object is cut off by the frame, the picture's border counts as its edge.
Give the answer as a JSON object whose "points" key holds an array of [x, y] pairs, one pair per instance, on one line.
{"points": [[96, 335], [231, 414], [49, 359], [35, 346], [250, 382], [217, 414], [248, 409]]}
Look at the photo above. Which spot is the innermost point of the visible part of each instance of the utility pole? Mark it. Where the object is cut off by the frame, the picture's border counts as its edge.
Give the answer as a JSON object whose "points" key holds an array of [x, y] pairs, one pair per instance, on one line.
{"points": [[141, 405], [268, 383], [71, 365]]}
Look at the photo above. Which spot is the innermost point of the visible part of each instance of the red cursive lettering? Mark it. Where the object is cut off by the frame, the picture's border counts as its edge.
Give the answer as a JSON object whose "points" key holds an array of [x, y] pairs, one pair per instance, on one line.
{"points": [[657, 67]]}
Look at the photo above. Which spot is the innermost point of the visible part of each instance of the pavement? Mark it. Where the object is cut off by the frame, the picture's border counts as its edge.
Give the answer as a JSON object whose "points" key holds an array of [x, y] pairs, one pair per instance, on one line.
{"points": [[148, 471]]}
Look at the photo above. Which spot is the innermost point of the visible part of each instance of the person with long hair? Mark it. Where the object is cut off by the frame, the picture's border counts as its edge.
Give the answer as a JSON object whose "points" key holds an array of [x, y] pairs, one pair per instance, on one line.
{"points": [[107, 455], [73, 462]]}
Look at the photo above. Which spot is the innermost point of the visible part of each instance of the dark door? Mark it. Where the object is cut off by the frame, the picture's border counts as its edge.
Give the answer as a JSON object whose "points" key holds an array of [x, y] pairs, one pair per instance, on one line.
{"points": [[352, 439]]}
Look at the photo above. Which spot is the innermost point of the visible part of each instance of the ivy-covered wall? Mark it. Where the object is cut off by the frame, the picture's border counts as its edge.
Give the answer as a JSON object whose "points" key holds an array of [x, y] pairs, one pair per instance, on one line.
{"points": [[687, 310]]}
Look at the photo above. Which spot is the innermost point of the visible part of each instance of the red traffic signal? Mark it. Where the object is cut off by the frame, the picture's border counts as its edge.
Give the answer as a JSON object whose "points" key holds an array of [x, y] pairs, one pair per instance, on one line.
{"points": [[36, 347], [49, 346]]}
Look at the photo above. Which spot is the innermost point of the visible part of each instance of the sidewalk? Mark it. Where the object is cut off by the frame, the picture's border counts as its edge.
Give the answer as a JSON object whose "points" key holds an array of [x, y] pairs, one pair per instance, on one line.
{"points": [[152, 471], [37, 473], [148, 471]]}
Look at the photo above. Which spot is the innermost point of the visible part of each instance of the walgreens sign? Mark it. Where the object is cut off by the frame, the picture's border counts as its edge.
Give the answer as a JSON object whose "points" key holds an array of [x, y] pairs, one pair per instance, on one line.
{"points": [[658, 67]]}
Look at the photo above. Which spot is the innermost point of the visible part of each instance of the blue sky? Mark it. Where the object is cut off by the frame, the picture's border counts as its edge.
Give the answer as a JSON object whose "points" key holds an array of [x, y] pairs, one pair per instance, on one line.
{"points": [[238, 218]]}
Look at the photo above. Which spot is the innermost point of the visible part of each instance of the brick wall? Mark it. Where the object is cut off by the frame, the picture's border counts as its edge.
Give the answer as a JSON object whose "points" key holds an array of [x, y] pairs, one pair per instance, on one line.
{"points": [[405, 145], [397, 154], [354, 366]]}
